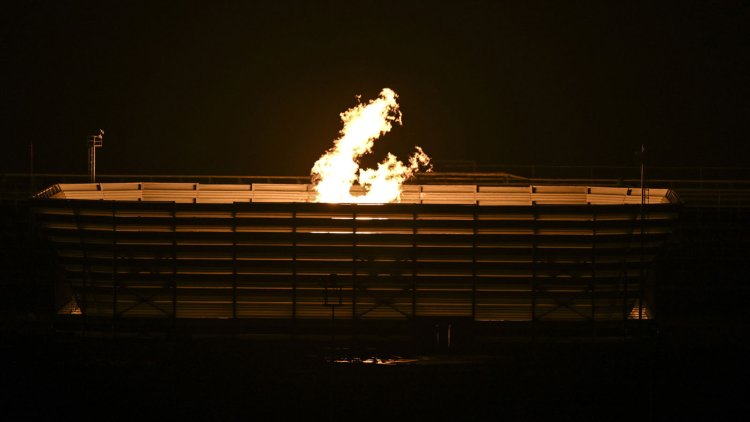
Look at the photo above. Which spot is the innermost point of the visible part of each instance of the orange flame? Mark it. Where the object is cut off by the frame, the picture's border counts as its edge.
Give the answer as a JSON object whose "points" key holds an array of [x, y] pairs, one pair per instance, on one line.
{"points": [[336, 171]]}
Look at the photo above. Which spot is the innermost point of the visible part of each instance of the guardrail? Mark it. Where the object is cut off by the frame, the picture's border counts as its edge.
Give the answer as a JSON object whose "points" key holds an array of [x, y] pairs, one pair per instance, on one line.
{"points": [[591, 172], [722, 187]]}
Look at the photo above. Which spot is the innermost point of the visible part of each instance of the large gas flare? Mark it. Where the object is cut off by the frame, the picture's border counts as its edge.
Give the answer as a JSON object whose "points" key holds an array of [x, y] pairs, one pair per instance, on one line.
{"points": [[336, 171]]}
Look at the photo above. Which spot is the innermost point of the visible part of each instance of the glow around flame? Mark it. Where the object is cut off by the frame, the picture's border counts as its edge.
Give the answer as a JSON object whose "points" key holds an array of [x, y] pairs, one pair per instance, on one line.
{"points": [[336, 171]]}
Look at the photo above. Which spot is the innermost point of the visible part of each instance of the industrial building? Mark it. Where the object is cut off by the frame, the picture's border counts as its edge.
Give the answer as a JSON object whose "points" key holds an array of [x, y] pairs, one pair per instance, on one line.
{"points": [[476, 257]]}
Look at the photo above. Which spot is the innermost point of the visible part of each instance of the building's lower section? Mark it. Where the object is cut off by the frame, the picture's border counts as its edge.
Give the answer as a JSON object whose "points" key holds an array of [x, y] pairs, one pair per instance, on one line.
{"points": [[313, 269]]}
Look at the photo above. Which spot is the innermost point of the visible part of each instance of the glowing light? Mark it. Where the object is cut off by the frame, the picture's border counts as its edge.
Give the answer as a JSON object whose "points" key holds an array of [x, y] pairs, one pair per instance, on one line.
{"points": [[396, 360], [644, 312], [336, 171]]}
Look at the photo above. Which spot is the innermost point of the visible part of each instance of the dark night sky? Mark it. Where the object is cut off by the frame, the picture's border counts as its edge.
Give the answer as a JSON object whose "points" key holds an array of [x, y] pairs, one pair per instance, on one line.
{"points": [[245, 88]]}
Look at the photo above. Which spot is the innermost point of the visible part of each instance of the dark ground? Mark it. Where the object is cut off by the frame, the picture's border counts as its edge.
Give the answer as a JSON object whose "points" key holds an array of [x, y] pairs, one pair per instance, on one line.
{"points": [[693, 367], [49, 377]]}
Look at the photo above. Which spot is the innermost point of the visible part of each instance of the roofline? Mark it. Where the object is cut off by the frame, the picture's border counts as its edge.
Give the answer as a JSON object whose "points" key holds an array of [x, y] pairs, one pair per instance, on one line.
{"points": [[411, 194]]}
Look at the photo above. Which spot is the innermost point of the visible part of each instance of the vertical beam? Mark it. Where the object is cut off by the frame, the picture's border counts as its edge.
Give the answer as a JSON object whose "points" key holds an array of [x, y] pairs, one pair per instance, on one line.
{"points": [[114, 268], [234, 260], [354, 265], [592, 283], [294, 270], [414, 264], [535, 232], [642, 274], [92, 163], [642, 215], [30, 264], [474, 265], [83, 304], [94, 142], [174, 265], [625, 293]]}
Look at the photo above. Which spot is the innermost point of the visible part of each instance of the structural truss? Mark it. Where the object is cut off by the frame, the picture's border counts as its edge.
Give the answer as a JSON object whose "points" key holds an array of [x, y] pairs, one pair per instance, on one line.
{"points": [[265, 252]]}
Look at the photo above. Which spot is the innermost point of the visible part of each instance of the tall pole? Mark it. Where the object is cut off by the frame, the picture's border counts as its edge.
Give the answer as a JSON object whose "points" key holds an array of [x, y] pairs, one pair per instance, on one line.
{"points": [[643, 192], [94, 142], [643, 203]]}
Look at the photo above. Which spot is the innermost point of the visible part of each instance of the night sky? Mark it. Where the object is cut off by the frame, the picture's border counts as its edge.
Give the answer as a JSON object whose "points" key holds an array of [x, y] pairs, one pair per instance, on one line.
{"points": [[255, 89]]}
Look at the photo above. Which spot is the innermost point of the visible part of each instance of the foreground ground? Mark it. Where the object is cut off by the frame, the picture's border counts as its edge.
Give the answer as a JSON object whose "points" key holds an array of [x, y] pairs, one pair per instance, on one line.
{"points": [[48, 376]]}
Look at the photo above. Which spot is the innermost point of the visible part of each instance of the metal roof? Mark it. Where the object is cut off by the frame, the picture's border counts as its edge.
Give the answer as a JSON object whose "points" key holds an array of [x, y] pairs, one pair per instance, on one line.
{"points": [[412, 194]]}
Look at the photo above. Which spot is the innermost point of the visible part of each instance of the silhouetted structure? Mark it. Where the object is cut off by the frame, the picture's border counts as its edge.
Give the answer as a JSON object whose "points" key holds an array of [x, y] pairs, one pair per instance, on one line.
{"points": [[447, 256]]}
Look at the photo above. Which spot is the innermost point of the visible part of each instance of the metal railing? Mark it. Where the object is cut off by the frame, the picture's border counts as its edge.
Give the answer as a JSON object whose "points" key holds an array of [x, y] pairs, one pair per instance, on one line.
{"points": [[697, 186]]}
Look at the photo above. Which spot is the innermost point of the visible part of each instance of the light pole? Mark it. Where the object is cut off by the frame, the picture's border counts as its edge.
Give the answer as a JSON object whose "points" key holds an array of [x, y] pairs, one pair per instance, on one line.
{"points": [[94, 142]]}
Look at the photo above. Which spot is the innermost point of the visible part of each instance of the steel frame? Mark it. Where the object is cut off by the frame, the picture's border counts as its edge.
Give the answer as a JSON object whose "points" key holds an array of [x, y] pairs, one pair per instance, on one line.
{"points": [[366, 270]]}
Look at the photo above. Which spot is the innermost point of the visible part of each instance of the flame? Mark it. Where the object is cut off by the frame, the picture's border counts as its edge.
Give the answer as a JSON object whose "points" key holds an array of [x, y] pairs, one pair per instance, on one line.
{"points": [[336, 171]]}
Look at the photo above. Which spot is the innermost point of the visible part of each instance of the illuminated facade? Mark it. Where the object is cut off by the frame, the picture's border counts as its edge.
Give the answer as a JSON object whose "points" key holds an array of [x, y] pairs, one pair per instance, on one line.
{"points": [[263, 252]]}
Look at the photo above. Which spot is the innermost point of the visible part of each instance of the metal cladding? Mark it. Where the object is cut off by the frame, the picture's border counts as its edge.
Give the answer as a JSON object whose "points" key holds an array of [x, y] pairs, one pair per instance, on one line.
{"points": [[262, 251]]}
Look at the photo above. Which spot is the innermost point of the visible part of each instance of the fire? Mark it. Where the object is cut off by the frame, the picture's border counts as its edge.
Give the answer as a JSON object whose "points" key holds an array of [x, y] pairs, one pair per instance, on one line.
{"points": [[336, 171]]}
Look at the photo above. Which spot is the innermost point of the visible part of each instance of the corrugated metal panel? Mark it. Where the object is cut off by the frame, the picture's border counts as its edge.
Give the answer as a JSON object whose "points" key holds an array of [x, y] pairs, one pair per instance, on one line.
{"points": [[424, 194], [394, 261]]}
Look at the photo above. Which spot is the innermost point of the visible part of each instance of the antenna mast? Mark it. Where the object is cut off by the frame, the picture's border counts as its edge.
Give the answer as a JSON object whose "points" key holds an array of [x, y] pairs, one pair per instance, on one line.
{"points": [[94, 142]]}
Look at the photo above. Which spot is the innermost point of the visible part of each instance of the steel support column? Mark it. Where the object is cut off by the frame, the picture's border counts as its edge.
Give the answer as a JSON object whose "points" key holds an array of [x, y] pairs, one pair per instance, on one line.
{"points": [[415, 260], [174, 265], [624, 273], [114, 268], [474, 265], [642, 274], [82, 300], [294, 272], [234, 260], [592, 283], [354, 272], [533, 264], [414, 274]]}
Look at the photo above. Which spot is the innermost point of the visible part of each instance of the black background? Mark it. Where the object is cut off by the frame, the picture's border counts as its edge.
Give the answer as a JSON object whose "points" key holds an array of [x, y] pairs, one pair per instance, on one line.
{"points": [[255, 88]]}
